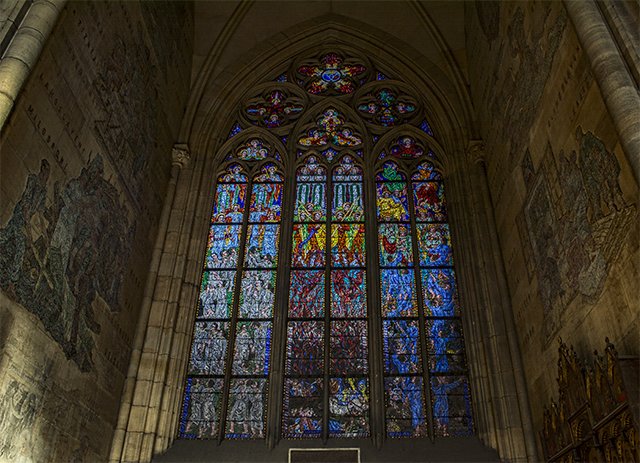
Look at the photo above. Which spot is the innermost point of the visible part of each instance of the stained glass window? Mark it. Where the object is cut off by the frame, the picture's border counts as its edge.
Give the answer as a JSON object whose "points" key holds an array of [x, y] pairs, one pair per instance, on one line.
{"points": [[289, 266]]}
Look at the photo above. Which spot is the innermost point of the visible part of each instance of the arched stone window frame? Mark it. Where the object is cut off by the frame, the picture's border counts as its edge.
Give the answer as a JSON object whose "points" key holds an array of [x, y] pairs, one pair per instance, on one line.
{"points": [[151, 401]]}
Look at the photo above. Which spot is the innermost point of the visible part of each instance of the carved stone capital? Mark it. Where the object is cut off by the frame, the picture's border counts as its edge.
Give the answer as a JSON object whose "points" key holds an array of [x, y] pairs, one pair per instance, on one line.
{"points": [[180, 154], [475, 151]]}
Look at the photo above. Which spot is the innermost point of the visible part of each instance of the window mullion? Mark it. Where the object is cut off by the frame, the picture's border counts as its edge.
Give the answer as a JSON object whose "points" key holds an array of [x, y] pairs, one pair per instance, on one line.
{"points": [[327, 305]]}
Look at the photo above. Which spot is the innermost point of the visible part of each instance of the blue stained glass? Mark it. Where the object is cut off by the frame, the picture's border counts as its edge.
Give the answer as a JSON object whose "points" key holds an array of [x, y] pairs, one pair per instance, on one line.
{"points": [[306, 296], [223, 245], [311, 202], [266, 202], [245, 415], [395, 245], [252, 348], [216, 294], [348, 293], [349, 407], [201, 410], [401, 346], [209, 348], [302, 414], [426, 171], [381, 76], [258, 294], [439, 292], [392, 202], [229, 205], [348, 347], [434, 244], [305, 348], [235, 130], [446, 345], [398, 293], [405, 411], [451, 403], [282, 78], [347, 202], [233, 173], [426, 128], [262, 246]]}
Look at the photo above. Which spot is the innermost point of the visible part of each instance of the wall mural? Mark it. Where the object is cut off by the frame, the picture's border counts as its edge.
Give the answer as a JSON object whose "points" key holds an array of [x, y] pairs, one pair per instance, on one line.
{"points": [[572, 229], [58, 255]]}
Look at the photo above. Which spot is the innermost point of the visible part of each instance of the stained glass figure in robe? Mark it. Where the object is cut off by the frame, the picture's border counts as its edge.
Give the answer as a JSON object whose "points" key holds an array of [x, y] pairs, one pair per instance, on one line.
{"points": [[392, 201], [302, 407], [405, 411], [434, 245], [348, 293], [330, 129], [348, 347], [266, 202], [451, 403], [253, 150], [395, 245], [426, 172], [245, 415], [348, 407], [229, 204], [209, 348], [201, 410], [347, 245], [252, 348], [275, 109], [233, 174], [262, 246], [311, 202], [257, 295], [429, 202], [446, 345], [401, 346], [269, 172], [308, 245], [216, 294], [439, 292], [305, 348], [331, 75], [222, 247], [347, 202], [398, 293], [306, 298]]}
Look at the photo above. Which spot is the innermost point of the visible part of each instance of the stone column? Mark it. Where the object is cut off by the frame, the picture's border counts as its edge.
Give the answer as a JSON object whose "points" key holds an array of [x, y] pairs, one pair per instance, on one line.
{"points": [[24, 50], [506, 418], [135, 396], [619, 91]]}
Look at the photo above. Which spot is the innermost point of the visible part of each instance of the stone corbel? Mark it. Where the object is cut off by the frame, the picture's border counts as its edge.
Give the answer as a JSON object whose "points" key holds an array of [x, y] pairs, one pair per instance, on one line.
{"points": [[180, 155]]}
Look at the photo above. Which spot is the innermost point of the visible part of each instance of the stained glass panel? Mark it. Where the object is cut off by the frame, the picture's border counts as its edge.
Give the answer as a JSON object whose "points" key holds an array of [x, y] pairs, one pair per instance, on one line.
{"points": [[439, 292], [209, 348], [223, 245], [216, 294], [451, 406], [429, 202], [262, 246], [330, 129], [392, 202], [306, 296], [266, 202], [311, 171], [347, 245], [401, 346], [252, 348], [390, 173], [349, 407], [257, 294], [347, 170], [305, 348], [233, 173], [201, 410], [426, 171], [446, 345], [347, 202], [274, 109], [253, 150], [269, 172], [348, 293], [348, 347], [395, 245], [308, 245], [434, 244], [311, 202], [245, 414], [229, 205], [405, 411], [398, 293], [302, 416], [331, 75]]}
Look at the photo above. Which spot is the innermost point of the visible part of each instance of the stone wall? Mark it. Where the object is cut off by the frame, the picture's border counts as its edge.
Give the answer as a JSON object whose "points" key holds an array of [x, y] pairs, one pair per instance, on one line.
{"points": [[564, 195], [85, 162]]}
